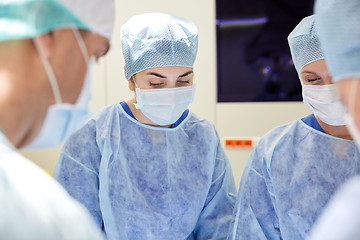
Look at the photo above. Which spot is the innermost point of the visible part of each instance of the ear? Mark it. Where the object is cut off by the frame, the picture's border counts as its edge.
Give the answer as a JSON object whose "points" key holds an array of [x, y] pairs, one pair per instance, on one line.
{"points": [[131, 84], [46, 43]]}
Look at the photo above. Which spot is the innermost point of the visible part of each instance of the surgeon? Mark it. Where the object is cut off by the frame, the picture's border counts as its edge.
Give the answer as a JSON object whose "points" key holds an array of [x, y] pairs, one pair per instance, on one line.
{"points": [[46, 50], [339, 35], [295, 168], [149, 168]]}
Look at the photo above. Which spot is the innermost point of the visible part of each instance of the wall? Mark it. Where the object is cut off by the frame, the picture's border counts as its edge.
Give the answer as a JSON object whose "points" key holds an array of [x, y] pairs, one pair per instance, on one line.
{"points": [[231, 119]]}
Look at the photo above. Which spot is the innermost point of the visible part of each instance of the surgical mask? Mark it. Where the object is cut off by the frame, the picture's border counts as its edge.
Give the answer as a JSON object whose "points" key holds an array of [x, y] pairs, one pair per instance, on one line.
{"points": [[325, 102], [62, 119], [164, 106], [350, 123]]}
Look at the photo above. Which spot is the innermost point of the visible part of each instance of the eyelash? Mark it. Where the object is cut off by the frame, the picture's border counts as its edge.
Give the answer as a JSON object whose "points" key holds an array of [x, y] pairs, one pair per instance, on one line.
{"points": [[161, 84], [156, 84], [313, 80]]}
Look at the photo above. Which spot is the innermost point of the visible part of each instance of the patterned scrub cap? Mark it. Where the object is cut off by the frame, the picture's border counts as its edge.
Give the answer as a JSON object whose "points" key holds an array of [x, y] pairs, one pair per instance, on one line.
{"points": [[304, 43], [338, 24], [158, 40]]}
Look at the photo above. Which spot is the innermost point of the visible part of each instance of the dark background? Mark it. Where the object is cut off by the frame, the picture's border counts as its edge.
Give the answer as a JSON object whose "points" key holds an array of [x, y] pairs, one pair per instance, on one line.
{"points": [[253, 59]]}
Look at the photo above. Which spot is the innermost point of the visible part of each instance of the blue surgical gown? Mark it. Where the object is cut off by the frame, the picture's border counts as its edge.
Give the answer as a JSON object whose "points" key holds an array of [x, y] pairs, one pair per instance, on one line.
{"points": [[341, 217], [290, 176], [33, 206], [144, 182]]}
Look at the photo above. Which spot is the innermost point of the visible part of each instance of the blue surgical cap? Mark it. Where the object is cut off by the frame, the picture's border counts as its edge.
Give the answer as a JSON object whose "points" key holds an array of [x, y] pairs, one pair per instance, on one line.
{"points": [[21, 19], [158, 40], [338, 24], [304, 44]]}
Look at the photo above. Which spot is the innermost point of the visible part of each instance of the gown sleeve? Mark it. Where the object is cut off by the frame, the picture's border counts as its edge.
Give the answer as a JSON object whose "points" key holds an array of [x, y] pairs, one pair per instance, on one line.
{"points": [[255, 214], [78, 167], [215, 218]]}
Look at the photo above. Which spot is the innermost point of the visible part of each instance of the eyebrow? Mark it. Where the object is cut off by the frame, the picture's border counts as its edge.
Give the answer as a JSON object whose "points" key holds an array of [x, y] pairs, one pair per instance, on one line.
{"points": [[161, 76], [186, 74], [308, 72], [156, 74]]}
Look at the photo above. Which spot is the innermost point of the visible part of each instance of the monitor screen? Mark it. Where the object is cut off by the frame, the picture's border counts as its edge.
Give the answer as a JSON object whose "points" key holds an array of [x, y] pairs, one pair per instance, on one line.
{"points": [[253, 56]]}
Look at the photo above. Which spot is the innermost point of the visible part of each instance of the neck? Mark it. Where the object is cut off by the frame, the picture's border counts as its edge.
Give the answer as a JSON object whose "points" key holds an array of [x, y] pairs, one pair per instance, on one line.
{"points": [[336, 131], [140, 116]]}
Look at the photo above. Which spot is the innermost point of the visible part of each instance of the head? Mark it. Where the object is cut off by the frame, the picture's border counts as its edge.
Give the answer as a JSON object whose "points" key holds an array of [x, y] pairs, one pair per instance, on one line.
{"points": [[339, 33], [159, 52], [318, 90], [98, 17], [61, 37], [338, 28], [51, 25]]}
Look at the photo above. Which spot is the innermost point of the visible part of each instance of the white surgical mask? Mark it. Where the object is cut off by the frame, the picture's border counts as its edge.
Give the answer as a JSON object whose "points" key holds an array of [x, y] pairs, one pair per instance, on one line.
{"points": [[350, 123], [325, 102], [62, 119], [166, 105]]}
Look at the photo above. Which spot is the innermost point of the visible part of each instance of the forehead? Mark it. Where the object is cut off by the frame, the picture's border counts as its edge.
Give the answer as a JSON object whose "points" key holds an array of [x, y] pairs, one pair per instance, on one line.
{"points": [[169, 71], [318, 67]]}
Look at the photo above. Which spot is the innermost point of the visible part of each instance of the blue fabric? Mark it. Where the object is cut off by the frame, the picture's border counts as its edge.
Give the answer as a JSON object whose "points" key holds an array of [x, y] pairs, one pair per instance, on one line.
{"points": [[34, 206], [182, 118], [343, 210], [127, 109], [174, 125], [291, 174], [312, 122], [144, 182], [339, 33]]}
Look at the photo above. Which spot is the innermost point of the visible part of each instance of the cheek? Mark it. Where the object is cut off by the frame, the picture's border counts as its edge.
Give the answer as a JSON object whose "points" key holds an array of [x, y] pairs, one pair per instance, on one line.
{"points": [[72, 78]]}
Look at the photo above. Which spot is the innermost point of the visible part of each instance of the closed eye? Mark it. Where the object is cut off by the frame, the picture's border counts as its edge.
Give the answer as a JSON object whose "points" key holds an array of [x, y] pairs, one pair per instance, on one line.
{"points": [[313, 80], [156, 84]]}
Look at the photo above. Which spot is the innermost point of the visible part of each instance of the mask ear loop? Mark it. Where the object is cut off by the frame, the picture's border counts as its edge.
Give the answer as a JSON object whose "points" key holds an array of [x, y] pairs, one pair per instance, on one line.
{"points": [[88, 62], [137, 105], [49, 71], [82, 45], [133, 79]]}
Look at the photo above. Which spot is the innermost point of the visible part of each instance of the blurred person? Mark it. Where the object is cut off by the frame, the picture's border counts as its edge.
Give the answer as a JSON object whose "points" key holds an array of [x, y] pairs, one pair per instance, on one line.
{"points": [[339, 35], [46, 49], [340, 219], [149, 168], [295, 169]]}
